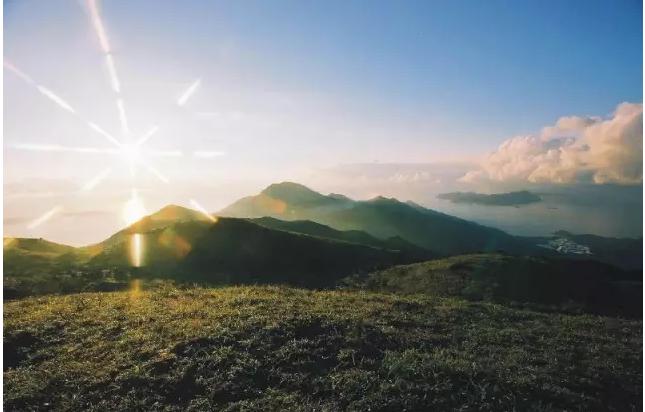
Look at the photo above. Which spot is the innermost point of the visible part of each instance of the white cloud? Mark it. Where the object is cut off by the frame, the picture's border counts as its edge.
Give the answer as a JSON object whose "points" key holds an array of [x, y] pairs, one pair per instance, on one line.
{"points": [[575, 149]]}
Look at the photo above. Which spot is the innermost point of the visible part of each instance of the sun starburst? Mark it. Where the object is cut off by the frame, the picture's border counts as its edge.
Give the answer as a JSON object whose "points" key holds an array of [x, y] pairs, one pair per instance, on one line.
{"points": [[130, 148]]}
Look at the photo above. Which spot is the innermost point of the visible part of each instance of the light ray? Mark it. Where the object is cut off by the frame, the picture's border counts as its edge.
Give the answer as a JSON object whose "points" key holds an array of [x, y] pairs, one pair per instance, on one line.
{"points": [[58, 148], [91, 184], [103, 133], [42, 89], [208, 154], [104, 41], [98, 26], [111, 68], [154, 129], [188, 93], [19, 73], [60, 102], [156, 172], [165, 153], [200, 208], [56, 99], [45, 217], [122, 117]]}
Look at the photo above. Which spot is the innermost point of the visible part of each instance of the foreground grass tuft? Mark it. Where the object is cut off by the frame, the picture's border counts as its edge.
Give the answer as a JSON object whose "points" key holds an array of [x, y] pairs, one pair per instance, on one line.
{"points": [[274, 348]]}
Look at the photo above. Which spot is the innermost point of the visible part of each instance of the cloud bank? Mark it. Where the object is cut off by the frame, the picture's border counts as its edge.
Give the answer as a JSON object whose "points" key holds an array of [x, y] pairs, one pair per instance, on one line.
{"points": [[574, 150]]}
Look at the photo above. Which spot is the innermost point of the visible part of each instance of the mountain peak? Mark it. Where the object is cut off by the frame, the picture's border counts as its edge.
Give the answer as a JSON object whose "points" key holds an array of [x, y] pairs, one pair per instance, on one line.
{"points": [[292, 193], [339, 197], [292, 187], [383, 200], [175, 213]]}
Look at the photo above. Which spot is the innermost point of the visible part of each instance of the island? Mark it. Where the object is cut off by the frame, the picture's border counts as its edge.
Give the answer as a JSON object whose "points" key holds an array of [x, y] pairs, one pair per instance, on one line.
{"points": [[522, 197]]}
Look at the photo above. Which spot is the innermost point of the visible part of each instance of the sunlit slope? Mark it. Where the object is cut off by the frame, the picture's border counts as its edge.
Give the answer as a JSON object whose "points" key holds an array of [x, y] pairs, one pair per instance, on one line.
{"points": [[164, 217], [379, 217], [35, 245], [556, 284], [266, 349], [285, 201], [238, 251], [28, 256]]}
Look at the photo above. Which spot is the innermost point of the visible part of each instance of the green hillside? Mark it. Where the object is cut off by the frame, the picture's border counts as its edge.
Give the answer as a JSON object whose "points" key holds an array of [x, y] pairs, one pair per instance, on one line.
{"points": [[432, 230], [35, 246], [35, 266], [236, 251], [308, 227], [269, 348], [556, 284]]}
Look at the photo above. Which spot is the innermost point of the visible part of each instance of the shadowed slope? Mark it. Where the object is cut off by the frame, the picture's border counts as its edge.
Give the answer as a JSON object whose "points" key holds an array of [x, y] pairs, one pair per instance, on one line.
{"points": [[556, 284], [238, 251]]}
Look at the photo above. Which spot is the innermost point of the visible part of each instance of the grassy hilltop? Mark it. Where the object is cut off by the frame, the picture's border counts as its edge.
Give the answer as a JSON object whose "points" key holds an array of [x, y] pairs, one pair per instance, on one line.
{"points": [[275, 348]]}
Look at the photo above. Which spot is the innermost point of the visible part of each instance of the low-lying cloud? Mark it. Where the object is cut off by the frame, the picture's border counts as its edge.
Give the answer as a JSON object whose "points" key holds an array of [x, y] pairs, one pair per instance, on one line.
{"points": [[576, 149]]}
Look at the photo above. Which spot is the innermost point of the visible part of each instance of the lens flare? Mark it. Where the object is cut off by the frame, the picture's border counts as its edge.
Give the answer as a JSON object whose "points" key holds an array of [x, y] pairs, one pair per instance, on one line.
{"points": [[45, 217], [136, 250], [199, 207], [133, 209], [96, 180], [189, 92]]}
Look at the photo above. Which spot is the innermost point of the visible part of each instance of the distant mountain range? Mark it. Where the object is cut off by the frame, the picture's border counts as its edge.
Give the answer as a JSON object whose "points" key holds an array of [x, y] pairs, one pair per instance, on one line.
{"points": [[285, 234], [496, 199], [380, 217]]}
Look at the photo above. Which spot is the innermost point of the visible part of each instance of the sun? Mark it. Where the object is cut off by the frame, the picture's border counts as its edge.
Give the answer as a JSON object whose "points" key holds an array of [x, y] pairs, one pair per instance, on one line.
{"points": [[131, 153], [133, 209]]}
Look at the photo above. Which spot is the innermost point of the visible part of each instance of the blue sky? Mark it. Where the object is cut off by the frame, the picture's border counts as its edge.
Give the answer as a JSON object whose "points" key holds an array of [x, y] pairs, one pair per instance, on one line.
{"points": [[480, 71], [503, 58], [291, 87]]}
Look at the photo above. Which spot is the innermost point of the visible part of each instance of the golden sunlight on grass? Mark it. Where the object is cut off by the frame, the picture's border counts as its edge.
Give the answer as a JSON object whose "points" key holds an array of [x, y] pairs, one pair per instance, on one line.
{"points": [[8, 242], [135, 290]]}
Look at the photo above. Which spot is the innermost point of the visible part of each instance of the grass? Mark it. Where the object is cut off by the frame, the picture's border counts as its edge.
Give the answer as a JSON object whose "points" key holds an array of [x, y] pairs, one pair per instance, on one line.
{"points": [[548, 284], [278, 348]]}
